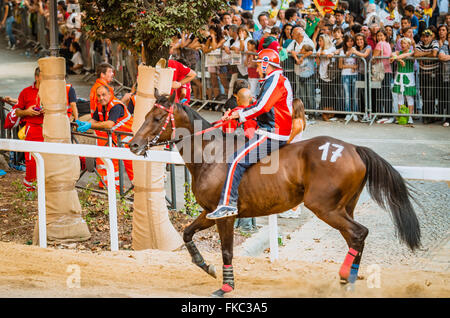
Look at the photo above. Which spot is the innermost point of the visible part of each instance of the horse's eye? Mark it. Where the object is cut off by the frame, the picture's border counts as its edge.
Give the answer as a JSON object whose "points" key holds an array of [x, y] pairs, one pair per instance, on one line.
{"points": [[157, 119]]}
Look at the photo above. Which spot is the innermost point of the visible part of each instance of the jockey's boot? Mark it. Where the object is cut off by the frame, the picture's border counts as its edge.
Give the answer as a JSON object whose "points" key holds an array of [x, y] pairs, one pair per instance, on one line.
{"points": [[222, 211]]}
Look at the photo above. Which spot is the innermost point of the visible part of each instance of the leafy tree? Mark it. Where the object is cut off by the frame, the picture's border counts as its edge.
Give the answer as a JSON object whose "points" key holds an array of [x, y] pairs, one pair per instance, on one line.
{"points": [[150, 22]]}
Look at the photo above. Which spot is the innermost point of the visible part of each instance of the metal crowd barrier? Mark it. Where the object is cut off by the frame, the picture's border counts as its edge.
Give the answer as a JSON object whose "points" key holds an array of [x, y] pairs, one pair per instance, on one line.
{"points": [[123, 192], [360, 96], [326, 90], [432, 85]]}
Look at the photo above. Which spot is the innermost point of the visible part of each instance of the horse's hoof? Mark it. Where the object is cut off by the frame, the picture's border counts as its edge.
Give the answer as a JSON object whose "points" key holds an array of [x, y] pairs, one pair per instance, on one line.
{"points": [[343, 281], [212, 271], [218, 294]]}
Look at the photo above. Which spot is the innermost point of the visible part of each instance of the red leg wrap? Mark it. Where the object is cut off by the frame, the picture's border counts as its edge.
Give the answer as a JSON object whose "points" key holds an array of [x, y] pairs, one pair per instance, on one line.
{"points": [[227, 288], [344, 272]]}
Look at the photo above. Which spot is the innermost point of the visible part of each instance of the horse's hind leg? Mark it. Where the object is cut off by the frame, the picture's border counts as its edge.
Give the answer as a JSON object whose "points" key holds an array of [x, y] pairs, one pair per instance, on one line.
{"points": [[350, 207], [226, 232], [353, 233], [200, 223]]}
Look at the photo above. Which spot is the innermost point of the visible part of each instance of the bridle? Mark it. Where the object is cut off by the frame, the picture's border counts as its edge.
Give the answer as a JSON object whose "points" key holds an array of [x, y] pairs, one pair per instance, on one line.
{"points": [[170, 117]]}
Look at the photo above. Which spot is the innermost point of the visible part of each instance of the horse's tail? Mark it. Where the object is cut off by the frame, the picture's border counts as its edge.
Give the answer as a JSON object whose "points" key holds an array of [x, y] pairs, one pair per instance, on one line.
{"points": [[387, 187]]}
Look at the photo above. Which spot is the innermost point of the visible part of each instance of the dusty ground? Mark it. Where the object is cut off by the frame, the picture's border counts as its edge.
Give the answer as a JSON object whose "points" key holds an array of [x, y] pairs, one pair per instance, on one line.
{"points": [[29, 271], [90, 270]]}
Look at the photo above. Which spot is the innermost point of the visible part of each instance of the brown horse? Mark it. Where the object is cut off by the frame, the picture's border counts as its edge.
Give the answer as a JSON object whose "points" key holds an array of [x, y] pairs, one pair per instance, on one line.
{"points": [[325, 173]]}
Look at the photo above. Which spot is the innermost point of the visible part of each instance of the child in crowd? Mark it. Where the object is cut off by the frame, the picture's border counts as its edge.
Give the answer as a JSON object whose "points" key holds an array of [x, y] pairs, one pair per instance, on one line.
{"points": [[404, 82]]}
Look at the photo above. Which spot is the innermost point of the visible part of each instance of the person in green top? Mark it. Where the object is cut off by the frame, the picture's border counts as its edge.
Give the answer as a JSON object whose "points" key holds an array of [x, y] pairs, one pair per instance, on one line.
{"points": [[404, 82], [285, 4], [312, 20]]}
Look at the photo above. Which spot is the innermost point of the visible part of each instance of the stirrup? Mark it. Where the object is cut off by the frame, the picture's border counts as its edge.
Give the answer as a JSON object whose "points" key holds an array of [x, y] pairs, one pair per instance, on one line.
{"points": [[222, 211]]}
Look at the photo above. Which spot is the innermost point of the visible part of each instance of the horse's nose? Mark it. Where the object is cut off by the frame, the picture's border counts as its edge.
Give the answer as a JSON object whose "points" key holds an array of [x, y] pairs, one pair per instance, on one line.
{"points": [[133, 147]]}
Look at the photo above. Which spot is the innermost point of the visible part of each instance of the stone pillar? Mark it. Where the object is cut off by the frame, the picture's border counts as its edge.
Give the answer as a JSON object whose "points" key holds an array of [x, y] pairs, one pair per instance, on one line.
{"points": [[152, 228], [64, 220]]}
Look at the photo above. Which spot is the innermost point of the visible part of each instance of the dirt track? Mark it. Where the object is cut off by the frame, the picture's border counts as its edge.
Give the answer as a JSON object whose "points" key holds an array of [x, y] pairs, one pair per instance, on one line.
{"points": [[28, 271]]}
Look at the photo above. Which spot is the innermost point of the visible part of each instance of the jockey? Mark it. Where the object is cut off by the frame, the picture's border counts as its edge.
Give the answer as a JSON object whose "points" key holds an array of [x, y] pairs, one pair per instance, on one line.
{"points": [[273, 113]]}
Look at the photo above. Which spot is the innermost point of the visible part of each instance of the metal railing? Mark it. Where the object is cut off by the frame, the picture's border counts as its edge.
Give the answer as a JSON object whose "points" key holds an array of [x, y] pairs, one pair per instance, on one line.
{"points": [[328, 91], [427, 81]]}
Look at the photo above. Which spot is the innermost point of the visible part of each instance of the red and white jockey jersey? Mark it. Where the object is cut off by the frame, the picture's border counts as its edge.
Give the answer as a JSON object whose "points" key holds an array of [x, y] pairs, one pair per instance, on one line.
{"points": [[273, 109]]}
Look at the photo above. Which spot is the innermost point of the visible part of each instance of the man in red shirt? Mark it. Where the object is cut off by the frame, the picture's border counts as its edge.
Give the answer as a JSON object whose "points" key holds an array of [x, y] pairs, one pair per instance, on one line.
{"points": [[182, 76], [29, 109]]}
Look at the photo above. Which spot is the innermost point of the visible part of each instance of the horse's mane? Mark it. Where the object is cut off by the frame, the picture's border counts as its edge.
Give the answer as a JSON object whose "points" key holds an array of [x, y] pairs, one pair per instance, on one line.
{"points": [[193, 116]]}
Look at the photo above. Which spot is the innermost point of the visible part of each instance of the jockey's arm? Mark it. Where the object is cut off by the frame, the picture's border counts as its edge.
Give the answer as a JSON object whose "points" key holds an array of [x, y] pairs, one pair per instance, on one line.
{"points": [[263, 105]]}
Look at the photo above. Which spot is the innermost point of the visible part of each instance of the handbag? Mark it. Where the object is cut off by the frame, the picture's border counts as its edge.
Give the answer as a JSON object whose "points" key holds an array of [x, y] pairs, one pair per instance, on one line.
{"points": [[378, 70]]}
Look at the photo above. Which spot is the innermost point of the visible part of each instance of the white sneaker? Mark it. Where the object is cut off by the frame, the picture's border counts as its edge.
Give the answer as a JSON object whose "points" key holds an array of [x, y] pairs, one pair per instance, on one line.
{"points": [[291, 214], [355, 118], [410, 120], [13, 47], [348, 117]]}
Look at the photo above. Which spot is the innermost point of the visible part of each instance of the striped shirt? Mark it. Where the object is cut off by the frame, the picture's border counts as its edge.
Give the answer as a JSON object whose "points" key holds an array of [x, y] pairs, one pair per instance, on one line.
{"points": [[424, 64]]}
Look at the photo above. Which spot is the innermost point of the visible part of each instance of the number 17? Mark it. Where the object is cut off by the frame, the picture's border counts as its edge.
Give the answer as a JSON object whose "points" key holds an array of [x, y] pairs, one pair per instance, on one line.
{"points": [[336, 154]]}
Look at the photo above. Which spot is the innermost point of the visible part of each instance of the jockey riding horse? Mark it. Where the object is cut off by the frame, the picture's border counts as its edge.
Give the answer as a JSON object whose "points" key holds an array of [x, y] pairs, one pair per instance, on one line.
{"points": [[273, 113]]}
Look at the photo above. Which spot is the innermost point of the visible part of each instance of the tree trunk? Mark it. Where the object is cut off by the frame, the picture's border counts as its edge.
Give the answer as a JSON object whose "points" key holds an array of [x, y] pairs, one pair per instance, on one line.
{"points": [[152, 56]]}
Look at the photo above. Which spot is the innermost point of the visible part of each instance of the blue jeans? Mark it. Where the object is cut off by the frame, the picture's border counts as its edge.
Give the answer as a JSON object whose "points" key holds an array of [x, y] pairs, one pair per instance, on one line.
{"points": [[349, 83], [9, 30]]}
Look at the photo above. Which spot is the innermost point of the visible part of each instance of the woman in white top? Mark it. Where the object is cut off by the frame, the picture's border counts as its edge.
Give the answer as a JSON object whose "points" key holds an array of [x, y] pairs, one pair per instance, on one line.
{"points": [[324, 58], [240, 45], [77, 60]]}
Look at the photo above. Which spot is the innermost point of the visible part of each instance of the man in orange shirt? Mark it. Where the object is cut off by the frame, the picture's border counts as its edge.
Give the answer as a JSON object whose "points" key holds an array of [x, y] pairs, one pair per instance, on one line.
{"points": [[110, 114], [105, 75]]}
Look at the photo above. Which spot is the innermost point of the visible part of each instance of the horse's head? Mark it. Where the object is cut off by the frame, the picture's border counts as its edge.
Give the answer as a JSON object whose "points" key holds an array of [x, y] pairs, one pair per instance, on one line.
{"points": [[157, 127]]}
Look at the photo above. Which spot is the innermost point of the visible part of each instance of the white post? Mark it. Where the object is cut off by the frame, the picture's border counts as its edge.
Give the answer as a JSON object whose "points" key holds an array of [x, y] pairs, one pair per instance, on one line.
{"points": [[40, 174], [112, 204], [273, 236]]}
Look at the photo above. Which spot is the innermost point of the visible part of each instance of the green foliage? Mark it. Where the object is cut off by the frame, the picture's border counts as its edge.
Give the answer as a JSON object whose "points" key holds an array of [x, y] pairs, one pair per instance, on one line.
{"points": [[191, 206], [150, 22], [22, 193]]}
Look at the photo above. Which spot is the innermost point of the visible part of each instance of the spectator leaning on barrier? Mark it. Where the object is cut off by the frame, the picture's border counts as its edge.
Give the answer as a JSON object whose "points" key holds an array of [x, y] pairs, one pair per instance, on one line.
{"points": [[364, 51], [428, 75], [349, 68], [110, 114], [30, 111], [325, 53], [444, 57], [382, 97], [404, 81]]}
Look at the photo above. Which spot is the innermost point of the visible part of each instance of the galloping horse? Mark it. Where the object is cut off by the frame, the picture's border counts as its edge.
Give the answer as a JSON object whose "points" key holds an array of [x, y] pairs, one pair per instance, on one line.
{"points": [[325, 173]]}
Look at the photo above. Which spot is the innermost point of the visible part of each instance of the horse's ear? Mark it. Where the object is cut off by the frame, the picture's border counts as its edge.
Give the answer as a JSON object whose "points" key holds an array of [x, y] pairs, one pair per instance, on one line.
{"points": [[156, 93], [172, 97]]}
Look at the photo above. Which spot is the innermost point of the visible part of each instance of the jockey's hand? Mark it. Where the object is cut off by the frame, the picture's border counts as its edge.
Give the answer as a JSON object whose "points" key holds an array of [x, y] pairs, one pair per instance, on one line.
{"points": [[230, 115]]}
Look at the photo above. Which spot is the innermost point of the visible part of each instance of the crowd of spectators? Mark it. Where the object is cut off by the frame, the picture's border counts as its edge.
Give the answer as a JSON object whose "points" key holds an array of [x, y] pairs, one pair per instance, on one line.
{"points": [[311, 46]]}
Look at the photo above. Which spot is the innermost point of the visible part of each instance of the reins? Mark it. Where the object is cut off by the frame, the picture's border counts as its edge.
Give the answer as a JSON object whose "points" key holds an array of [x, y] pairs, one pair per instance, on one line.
{"points": [[170, 117]]}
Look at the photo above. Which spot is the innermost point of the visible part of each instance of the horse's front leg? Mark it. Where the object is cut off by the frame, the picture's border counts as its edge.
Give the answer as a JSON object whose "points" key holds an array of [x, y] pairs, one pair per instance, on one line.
{"points": [[199, 224], [226, 232]]}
